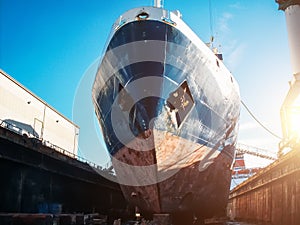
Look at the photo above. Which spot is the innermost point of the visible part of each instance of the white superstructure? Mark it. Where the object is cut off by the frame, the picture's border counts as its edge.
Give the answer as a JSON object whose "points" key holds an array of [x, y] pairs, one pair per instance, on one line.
{"points": [[158, 3]]}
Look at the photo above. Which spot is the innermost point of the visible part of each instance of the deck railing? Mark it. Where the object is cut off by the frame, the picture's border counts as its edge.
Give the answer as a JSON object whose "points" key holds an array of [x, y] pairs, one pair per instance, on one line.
{"points": [[20, 131]]}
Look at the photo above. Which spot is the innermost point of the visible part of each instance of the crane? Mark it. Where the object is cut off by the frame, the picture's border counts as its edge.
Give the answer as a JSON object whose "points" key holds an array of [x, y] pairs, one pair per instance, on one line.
{"points": [[239, 169], [255, 151]]}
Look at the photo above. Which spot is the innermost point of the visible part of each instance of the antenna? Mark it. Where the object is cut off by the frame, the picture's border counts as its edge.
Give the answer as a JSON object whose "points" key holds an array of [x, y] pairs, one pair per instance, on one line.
{"points": [[158, 3], [211, 23]]}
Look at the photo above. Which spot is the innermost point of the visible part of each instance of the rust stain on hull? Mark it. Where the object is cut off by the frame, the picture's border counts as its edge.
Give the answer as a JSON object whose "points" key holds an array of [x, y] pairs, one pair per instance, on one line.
{"points": [[176, 186]]}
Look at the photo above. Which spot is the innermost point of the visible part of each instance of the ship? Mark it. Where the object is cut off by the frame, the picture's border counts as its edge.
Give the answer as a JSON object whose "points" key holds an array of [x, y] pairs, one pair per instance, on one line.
{"points": [[168, 109]]}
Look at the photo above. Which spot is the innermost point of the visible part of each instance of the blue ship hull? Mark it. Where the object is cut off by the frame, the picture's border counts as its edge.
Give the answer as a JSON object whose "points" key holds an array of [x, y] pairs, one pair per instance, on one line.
{"points": [[169, 111]]}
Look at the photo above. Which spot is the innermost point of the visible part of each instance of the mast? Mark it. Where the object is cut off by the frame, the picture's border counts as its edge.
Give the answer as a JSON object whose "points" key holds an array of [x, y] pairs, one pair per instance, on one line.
{"points": [[159, 3]]}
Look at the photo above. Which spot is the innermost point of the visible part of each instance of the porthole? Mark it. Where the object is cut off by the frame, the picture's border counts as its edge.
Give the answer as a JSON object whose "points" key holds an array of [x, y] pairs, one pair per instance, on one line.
{"points": [[142, 16]]}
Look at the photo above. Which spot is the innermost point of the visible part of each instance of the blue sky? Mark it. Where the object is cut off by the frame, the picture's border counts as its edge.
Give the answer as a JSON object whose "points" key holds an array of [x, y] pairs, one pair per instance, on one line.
{"points": [[49, 45]]}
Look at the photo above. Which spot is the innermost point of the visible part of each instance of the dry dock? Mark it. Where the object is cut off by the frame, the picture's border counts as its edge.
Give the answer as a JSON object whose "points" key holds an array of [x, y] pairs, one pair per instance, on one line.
{"points": [[272, 196], [33, 173]]}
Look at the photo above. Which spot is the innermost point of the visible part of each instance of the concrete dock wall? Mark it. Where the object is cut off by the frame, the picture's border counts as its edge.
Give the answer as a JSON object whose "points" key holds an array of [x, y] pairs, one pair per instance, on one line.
{"points": [[272, 196], [35, 178]]}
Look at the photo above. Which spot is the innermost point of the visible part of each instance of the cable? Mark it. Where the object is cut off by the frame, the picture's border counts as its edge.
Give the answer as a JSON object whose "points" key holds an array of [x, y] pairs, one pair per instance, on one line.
{"points": [[263, 126]]}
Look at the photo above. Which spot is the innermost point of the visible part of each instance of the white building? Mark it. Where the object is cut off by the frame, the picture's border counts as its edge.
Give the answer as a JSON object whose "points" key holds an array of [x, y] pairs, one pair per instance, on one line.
{"points": [[27, 114]]}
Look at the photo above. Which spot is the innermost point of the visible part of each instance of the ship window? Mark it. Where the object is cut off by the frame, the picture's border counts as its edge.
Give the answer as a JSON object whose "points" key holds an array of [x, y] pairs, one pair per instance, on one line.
{"points": [[142, 16], [168, 21], [181, 102]]}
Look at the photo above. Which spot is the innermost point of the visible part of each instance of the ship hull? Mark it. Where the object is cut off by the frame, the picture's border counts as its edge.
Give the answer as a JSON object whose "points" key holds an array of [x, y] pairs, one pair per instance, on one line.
{"points": [[188, 189], [168, 109]]}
